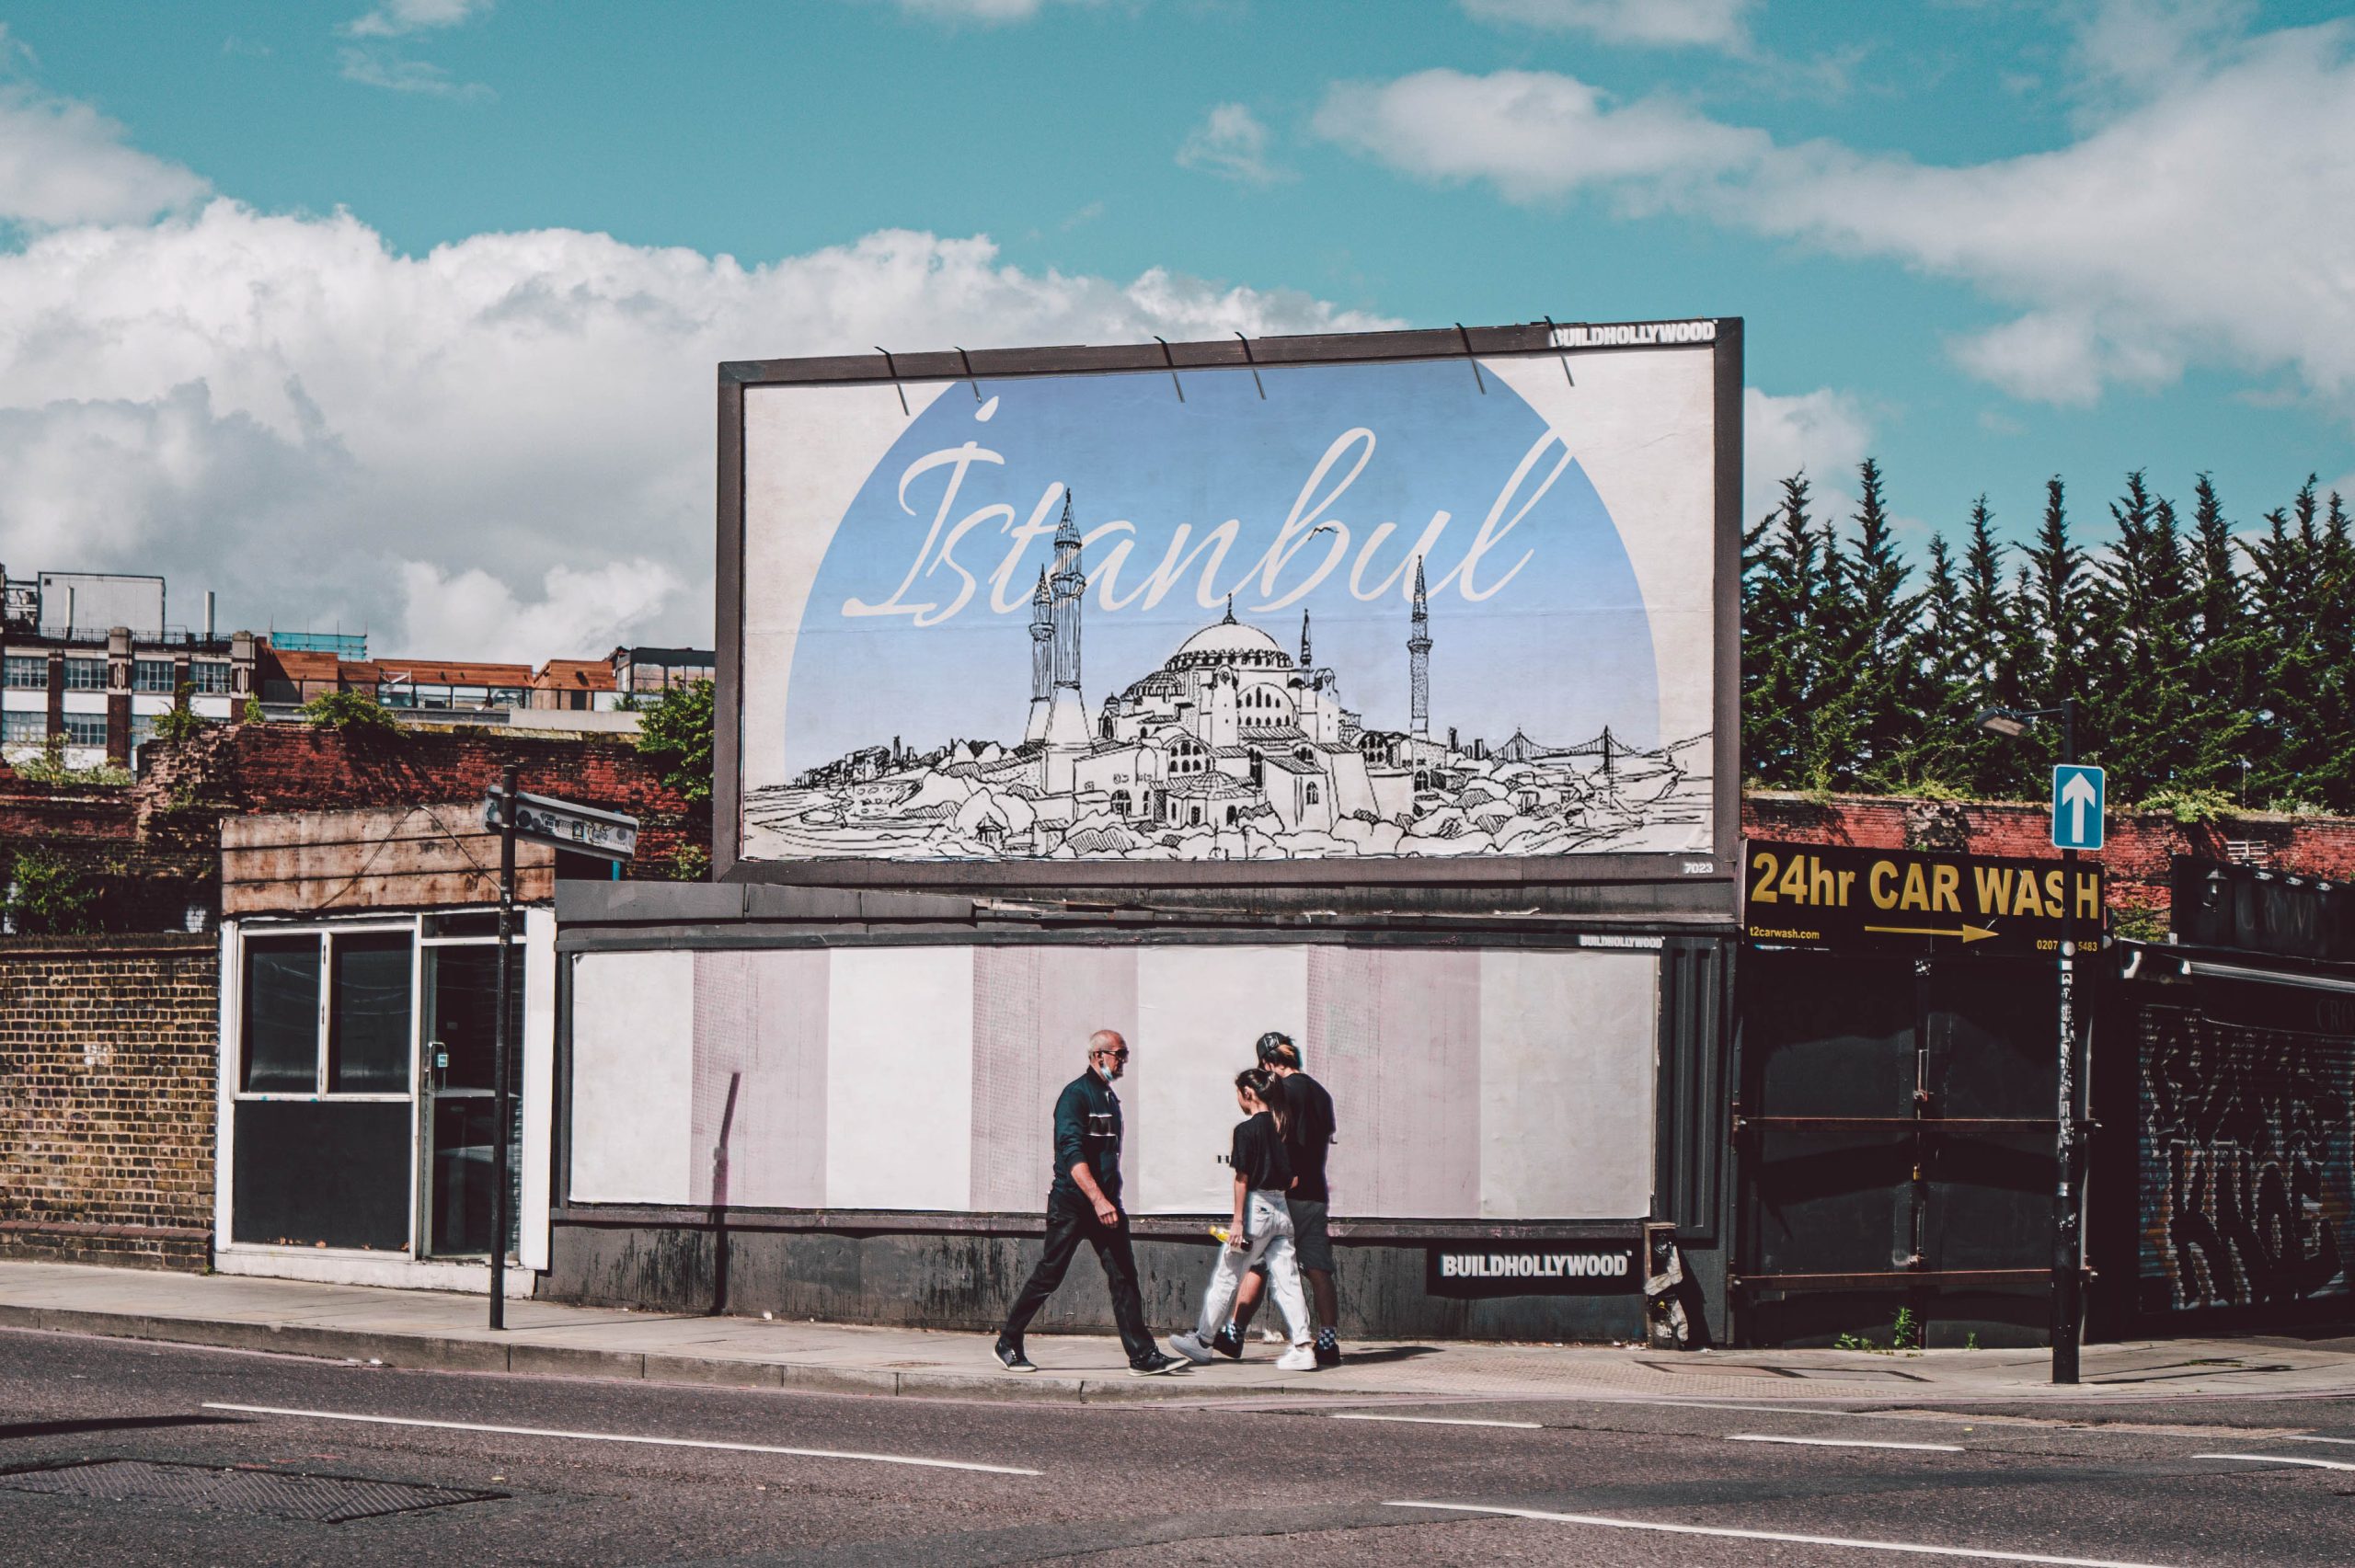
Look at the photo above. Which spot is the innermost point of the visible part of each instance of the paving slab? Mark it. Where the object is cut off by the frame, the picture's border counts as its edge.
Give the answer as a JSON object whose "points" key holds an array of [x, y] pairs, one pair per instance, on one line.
{"points": [[446, 1331]]}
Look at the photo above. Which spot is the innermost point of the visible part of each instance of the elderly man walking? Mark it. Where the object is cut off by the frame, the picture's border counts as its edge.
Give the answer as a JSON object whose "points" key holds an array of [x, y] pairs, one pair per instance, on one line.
{"points": [[1084, 1205]]}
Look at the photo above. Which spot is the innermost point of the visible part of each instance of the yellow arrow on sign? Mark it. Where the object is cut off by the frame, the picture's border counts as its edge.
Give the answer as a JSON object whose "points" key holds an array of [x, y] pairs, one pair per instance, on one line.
{"points": [[1969, 933]]}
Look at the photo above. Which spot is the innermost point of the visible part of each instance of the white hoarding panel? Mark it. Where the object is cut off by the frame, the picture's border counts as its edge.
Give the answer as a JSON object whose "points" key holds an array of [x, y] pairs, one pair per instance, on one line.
{"points": [[633, 1070]]}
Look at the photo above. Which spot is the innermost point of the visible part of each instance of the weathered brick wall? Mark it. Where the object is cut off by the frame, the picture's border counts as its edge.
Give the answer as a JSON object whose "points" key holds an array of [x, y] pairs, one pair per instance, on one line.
{"points": [[107, 1049], [241, 768], [2135, 858]]}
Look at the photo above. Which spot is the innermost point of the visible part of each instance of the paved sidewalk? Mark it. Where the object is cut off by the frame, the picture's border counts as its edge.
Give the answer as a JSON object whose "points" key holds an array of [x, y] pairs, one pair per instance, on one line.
{"points": [[432, 1330]]}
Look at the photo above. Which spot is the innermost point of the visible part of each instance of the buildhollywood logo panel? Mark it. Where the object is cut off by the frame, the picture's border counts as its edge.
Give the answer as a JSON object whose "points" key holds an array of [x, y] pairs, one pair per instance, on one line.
{"points": [[1439, 608]]}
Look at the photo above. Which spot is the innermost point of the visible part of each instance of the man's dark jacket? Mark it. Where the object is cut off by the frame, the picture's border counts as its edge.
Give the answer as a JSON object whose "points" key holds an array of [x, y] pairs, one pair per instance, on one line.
{"points": [[1087, 1128]]}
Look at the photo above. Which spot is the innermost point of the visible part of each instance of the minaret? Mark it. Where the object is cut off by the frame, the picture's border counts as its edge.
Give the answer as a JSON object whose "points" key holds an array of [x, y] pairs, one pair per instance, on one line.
{"points": [[1042, 659], [1069, 584], [1307, 664], [1418, 659], [1067, 732]]}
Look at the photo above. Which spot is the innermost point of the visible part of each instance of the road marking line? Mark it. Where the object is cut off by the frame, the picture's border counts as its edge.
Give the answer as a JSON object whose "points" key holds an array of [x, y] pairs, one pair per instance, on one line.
{"points": [[2343, 1442], [622, 1437], [2278, 1460], [1843, 1443], [1439, 1421], [1979, 1553]]}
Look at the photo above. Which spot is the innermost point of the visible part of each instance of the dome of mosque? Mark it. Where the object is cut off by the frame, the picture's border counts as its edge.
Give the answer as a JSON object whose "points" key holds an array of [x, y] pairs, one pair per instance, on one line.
{"points": [[1229, 642]]}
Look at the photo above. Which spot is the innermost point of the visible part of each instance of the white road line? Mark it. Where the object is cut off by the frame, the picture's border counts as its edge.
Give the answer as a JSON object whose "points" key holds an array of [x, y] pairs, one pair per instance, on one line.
{"points": [[1437, 1421], [1843, 1443], [1979, 1553], [2343, 1442], [2278, 1460], [622, 1437]]}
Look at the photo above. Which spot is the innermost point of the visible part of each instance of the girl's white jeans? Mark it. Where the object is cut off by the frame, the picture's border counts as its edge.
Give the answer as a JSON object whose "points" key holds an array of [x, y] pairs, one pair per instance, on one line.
{"points": [[1267, 1227]]}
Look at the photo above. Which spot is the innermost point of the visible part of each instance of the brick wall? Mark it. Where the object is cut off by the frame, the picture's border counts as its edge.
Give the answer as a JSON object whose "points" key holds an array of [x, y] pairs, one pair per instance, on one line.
{"points": [[107, 1088], [2135, 858], [243, 768]]}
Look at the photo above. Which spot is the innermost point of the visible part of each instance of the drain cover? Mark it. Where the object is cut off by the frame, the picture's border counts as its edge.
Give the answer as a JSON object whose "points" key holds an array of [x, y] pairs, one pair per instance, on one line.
{"points": [[322, 1499]]}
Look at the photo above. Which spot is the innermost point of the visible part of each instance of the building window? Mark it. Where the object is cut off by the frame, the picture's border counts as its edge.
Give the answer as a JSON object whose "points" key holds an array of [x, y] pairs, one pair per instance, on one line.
{"points": [[209, 676], [85, 674], [86, 729], [150, 675], [17, 725], [356, 1041], [1312, 795], [28, 672]]}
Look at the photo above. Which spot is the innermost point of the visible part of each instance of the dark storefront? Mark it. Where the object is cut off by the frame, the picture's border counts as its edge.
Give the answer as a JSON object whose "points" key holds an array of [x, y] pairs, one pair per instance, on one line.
{"points": [[1896, 1086]]}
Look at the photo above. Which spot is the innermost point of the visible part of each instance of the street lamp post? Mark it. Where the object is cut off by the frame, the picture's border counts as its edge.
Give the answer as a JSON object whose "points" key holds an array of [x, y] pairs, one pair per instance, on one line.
{"points": [[2068, 1247]]}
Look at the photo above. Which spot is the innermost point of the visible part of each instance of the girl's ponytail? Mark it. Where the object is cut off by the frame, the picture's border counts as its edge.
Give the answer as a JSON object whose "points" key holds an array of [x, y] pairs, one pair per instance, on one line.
{"points": [[1263, 1087]]}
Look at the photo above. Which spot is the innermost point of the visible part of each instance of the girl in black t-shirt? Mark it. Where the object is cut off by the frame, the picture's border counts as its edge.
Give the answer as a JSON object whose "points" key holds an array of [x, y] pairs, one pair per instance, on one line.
{"points": [[1261, 1229]]}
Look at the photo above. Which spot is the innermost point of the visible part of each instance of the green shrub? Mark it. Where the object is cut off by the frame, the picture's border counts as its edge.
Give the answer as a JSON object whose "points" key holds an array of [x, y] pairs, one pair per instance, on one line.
{"points": [[351, 712], [49, 896], [2192, 807]]}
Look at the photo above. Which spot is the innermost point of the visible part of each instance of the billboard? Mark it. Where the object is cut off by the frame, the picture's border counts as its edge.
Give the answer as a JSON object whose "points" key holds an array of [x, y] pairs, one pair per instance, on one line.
{"points": [[1371, 608]]}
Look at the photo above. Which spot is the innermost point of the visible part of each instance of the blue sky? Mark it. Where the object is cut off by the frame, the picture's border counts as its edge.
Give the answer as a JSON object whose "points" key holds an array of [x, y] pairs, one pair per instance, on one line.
{"points": [[410, 312]]}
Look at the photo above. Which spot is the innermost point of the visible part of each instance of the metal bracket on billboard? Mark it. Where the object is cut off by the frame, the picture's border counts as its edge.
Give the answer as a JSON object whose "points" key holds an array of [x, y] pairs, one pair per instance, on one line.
{"points": [[971, 379], [1551, 331], [1477, 379], [1171, 361], [893, 372], [1253, 363]]}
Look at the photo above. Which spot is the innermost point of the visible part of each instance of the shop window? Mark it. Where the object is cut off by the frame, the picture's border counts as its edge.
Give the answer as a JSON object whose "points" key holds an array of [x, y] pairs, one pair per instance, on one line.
{"points": [[282, 1023], [359, 1043], [368, 1031]]}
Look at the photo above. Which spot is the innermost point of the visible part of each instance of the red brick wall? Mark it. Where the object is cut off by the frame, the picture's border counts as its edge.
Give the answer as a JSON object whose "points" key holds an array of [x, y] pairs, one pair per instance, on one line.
{"points": [[107, 1049], [246, 768], [2136, 859]]}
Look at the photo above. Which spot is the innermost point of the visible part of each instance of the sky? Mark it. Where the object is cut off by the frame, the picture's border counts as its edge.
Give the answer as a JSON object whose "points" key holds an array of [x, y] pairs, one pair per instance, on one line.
{"points": [[403, 319]]}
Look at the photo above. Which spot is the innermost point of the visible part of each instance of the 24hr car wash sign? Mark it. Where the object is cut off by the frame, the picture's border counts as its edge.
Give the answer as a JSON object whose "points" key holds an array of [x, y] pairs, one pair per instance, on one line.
{"points": [[1913, 900], [1384, 600]]}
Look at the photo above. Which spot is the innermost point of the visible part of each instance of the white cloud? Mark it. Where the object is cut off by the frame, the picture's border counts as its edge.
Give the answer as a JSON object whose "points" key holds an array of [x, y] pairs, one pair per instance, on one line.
{"points": [[585, 611], [1231, 144], [1824, 434], [1714, 24], [62, 162], [396, 18], [401, 75], [2207, 220], [284, 409], [1534, 134], [987, 13]]}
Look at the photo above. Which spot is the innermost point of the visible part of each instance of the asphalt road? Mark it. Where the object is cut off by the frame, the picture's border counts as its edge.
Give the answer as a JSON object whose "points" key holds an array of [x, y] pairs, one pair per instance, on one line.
{"points": [[1552, 1481]]}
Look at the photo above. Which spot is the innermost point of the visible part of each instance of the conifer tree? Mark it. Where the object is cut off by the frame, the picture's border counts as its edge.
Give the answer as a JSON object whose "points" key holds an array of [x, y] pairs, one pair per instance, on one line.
{"points": [[1889, 688]]}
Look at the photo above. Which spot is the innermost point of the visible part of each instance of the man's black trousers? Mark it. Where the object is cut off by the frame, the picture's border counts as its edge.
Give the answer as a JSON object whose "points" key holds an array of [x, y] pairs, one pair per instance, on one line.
{"points": [[1071, 1219]]}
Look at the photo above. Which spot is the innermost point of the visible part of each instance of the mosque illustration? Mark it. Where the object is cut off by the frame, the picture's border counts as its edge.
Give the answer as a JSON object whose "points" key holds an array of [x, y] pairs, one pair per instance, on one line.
{"points": [[1234, 748]]}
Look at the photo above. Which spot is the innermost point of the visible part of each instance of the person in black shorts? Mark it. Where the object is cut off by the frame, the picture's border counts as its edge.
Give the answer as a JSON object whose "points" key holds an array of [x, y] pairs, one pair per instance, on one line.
{"points": [[1309, 1132]]}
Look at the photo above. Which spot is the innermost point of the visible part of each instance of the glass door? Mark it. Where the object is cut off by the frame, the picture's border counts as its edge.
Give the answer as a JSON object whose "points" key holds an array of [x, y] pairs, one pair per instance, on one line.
{"points": [[461, 1004]]}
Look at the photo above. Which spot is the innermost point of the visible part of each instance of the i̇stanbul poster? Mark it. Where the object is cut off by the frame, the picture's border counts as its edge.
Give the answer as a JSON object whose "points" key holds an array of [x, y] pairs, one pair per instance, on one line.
{"points": [[1374, 611]]}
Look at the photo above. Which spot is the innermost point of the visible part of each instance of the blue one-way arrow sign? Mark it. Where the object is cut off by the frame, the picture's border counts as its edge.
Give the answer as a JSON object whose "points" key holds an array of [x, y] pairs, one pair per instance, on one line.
{"points": [[2076, 808]]}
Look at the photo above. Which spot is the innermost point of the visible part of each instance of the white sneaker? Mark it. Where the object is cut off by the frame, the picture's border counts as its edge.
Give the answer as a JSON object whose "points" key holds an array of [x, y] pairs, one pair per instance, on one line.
{"points": [[1189, 1345], [1300, 1357]]}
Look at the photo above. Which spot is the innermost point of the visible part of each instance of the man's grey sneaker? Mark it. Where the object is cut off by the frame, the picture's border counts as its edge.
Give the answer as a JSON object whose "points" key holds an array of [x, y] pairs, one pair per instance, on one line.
{"points": [[1329, 1353], [1299, 1358], [1010, 1357], [1156, 1365], [1228, 1342], [1189, 1345]]}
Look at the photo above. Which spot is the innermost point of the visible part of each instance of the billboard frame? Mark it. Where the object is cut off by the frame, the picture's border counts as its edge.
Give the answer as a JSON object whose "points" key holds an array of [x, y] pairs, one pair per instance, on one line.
{"points": [[1566, 341]]}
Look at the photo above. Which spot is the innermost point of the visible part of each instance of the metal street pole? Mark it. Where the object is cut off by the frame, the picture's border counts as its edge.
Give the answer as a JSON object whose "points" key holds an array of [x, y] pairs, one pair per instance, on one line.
{"points": [[2066, 1251], [501, 1049]]}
